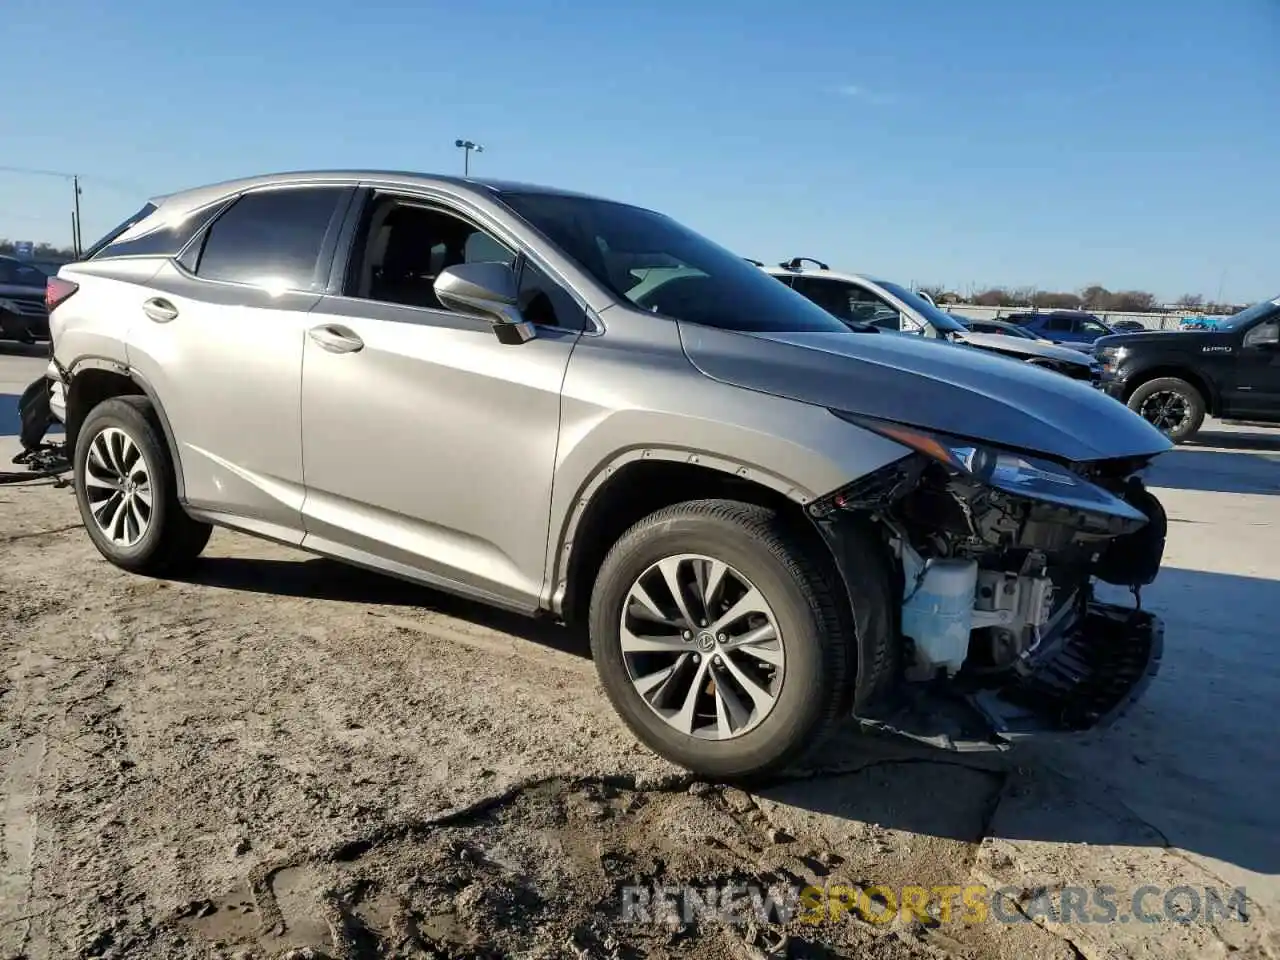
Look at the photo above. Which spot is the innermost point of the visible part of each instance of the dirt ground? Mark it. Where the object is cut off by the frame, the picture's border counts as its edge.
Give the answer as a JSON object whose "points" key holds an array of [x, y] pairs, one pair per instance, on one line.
{"points": [[285, 757]]}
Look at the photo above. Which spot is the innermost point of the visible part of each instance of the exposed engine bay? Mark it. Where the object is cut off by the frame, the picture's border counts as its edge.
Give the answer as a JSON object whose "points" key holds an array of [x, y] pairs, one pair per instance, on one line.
{"points": [[997, 610], [1022, 568]]}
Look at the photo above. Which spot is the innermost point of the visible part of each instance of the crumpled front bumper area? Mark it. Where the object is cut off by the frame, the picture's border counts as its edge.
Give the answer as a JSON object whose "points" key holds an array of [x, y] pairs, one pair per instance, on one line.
{"points": [[1098, 669]]}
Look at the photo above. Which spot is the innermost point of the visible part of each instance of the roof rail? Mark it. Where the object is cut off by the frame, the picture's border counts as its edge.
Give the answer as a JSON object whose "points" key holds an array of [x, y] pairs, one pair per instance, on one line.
{"points": [[795, 264]]}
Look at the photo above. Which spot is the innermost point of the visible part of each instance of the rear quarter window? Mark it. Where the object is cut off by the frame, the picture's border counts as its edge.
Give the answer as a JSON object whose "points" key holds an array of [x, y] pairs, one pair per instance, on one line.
{"points": [[167, 239], [96, 250]]}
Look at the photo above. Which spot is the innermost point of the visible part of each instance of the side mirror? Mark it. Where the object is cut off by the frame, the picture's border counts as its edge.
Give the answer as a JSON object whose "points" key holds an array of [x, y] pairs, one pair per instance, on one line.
{"points": [[486, 290], [1264, 335]]}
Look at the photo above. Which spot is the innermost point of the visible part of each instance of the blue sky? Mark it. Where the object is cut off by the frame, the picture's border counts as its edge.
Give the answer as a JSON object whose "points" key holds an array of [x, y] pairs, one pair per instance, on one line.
{"points": [[1132, 143]]}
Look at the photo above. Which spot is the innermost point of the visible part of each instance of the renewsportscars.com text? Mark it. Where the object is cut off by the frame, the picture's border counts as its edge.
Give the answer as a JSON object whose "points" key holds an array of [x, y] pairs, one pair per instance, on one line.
{"points": [[971, 904]]}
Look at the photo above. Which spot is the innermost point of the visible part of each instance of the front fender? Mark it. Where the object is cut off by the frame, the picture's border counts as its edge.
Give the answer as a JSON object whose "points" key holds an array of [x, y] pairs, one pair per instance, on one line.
{"points": [[622, 403]]}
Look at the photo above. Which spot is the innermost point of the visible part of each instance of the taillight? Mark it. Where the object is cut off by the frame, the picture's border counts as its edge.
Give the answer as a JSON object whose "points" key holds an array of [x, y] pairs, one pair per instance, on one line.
{"points": [[57, 290]]}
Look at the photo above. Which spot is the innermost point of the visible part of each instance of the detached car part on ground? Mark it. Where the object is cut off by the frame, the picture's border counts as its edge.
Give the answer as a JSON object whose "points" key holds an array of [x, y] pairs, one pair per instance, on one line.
{"points": [[862, 301], [1174, 378], [766, 522]]}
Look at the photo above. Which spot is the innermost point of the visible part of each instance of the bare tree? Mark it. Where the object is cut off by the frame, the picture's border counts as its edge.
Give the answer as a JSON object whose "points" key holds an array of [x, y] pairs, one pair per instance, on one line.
{"points": [[1132, 301], [994, 297], [1049, 300], [1095, 297], [1191, 301]]}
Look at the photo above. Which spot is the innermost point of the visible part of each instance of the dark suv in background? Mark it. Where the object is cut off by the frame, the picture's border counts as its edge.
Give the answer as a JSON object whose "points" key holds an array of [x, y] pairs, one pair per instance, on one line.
{"points": [[23, 316]]}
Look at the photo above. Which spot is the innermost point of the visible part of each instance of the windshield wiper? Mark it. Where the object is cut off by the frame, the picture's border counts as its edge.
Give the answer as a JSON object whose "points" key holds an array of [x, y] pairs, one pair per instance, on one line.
{"points": [[859, 326]]}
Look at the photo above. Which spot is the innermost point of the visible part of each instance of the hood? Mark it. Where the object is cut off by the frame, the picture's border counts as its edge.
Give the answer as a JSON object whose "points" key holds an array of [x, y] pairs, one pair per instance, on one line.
{"points": [[1023, 347], [1189, 337], [933, 384]]}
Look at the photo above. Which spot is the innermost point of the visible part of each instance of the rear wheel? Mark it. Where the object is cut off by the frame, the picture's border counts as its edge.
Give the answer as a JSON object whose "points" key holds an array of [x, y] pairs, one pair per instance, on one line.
{"points": [[1171, 405], [721, 639], [126, 491]]}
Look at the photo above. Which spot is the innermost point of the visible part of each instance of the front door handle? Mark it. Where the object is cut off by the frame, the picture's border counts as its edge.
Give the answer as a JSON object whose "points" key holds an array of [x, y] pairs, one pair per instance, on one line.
{"points": [[335, 338], [160, 310]]}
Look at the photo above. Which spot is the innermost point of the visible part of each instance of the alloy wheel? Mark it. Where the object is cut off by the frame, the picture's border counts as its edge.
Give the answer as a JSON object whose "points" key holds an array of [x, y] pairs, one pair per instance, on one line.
{"points": [[702, 647], [1166, 410], [117, 485]]}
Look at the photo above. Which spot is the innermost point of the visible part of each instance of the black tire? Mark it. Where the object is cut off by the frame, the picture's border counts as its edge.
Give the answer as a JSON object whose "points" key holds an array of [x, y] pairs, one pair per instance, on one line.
{"points": [[1144, 399], [798, 583], [172, 539]]}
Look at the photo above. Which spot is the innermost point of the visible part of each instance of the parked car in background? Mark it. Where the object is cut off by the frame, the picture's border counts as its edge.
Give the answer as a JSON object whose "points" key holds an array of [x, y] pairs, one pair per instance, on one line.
{"points": [[1198, 323], [765, 521], [1173, 378], [1062, 326], [1002, 327], [1127, 326], [50, 267], [888, 306], [23, 316]]}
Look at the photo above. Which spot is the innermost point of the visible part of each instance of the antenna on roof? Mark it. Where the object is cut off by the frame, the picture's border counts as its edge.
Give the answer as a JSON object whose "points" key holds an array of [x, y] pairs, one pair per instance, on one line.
{"points": [[795, 264], [756, 262]]}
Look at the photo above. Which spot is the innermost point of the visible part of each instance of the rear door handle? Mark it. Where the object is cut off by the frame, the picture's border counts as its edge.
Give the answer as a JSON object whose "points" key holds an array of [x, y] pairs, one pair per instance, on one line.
{"points": [[335, 338], [160, 310]]}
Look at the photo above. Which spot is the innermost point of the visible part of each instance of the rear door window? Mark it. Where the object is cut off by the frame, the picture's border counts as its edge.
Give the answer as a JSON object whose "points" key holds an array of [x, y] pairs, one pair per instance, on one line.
{"points": [[272, 238]]}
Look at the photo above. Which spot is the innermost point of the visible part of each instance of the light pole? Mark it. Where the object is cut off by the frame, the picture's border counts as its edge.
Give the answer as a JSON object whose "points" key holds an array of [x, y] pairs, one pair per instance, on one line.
{"points": [[466, 146], [75, 185], [76, 193]]}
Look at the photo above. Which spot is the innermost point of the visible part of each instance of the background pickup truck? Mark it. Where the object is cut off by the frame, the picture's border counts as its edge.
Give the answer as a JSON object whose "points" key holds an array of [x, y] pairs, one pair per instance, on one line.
{"points": [[1173, 378]]}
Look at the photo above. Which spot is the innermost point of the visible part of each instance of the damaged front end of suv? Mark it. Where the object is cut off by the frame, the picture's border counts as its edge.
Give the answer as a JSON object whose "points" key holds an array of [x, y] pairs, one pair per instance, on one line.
{"points": [[998, 634]]}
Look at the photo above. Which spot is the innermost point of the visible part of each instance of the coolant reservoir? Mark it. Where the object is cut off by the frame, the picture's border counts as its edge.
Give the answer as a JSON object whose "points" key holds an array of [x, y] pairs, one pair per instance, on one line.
{"points": [[938, 616]]}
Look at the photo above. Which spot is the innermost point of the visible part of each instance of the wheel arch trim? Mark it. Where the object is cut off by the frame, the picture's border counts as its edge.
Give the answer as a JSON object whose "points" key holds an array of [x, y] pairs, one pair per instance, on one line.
{"points": [[108, 365], [557, 581]]}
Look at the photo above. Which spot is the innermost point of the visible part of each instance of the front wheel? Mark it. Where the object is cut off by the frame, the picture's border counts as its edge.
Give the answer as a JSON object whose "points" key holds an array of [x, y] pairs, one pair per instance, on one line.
{"points": [[126, 490], [1171, 405], [721, 639]]}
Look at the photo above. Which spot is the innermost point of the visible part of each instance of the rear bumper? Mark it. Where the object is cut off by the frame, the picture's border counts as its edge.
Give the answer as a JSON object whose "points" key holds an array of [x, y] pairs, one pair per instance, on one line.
{"points": [[58, 384], [1090, 677]]}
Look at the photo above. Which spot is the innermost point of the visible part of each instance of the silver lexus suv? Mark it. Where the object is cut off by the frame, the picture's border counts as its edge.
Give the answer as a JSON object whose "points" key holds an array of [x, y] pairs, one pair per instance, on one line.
{"points": [[766, 520]]}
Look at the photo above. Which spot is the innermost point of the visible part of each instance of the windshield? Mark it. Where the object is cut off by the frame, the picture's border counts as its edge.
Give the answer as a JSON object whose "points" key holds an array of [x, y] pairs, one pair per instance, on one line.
{"points": [[20, 273], [938, 319], [1005, 329], [1249, 314], [662, 267]]}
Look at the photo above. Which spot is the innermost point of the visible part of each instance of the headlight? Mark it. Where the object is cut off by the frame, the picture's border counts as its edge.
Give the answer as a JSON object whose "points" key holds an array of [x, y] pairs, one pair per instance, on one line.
{"points": [[1111, 357], [1015, 473]]}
